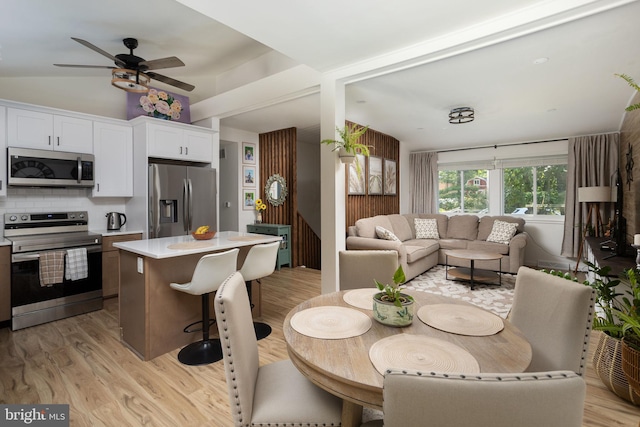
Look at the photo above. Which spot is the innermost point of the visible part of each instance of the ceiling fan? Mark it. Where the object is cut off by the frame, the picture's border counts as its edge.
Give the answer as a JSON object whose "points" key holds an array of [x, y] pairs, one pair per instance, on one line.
{"points": [[132, 72]]}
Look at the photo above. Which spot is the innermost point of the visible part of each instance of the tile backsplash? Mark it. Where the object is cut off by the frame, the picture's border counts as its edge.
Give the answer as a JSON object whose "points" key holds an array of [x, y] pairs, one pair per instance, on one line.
{"points": [[30, 200]]}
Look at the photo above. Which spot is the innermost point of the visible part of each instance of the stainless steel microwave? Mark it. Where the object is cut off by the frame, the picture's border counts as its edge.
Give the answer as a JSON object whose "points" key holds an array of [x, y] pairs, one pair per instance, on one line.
{"points": [[44, 168]]}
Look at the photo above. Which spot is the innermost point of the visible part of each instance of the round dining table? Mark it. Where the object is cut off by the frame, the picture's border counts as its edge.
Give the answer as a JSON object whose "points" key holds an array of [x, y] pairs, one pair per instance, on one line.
{"points": [[343, 366]]}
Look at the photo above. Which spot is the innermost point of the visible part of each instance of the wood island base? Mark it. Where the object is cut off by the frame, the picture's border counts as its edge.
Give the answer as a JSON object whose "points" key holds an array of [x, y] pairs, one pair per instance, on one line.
{"points": [[152, 315]]}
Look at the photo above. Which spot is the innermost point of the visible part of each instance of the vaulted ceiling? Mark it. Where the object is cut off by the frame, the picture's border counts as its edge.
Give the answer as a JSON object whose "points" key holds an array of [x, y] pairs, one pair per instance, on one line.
{"points": [[406, 63]]}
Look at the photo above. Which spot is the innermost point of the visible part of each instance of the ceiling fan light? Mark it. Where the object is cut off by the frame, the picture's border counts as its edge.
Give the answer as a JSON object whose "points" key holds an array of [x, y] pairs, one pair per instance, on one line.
{"points": [[461, 115], [130, 80]]}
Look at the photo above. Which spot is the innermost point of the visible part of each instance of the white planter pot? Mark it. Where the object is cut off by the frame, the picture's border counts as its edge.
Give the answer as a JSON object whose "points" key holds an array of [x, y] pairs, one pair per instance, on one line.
{"points": [[346, 157], [389, 314]]}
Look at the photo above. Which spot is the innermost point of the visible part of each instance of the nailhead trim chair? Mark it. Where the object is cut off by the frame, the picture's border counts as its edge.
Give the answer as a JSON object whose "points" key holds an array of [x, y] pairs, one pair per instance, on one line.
{"points": [[556, 316], [430, 399], [275, 394], [260, 262], [208, 275]]}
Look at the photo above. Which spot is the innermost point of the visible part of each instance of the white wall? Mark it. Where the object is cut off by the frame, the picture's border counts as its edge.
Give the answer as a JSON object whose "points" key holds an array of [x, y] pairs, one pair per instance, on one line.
{"points": [[229, 186], [237, 136], [308, 183]]}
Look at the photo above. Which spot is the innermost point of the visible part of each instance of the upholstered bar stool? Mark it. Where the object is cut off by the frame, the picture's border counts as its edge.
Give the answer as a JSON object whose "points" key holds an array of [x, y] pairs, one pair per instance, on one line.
{"points": [[260, 262], [208, 275]]}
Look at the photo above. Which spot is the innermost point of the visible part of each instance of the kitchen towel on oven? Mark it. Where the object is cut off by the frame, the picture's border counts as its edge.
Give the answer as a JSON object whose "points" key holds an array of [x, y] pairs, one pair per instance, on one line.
{"points": [[76, 266], [51, 267]]}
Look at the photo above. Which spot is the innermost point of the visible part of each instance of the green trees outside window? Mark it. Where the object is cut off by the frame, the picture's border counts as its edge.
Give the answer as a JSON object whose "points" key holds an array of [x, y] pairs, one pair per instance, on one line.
{"points": [[539, 189], [463, 191]]}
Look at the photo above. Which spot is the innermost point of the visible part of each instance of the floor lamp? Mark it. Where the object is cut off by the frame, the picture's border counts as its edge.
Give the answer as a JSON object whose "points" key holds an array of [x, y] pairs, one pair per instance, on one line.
{"points": [[592, 196]]}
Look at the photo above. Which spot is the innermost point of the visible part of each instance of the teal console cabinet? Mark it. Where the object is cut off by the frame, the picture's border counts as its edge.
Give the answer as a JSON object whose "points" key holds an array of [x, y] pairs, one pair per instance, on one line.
{"points": [[284, 253]]}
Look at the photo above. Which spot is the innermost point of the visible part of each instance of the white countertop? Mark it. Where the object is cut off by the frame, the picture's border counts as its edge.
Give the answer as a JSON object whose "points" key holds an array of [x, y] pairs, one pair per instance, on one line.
{"points": [[104, 232], [159, 248], [4, 242]]}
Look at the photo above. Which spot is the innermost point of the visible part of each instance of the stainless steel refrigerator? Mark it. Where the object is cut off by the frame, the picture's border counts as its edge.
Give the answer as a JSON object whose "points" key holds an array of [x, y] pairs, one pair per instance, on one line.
{"points": [[181, 198]]}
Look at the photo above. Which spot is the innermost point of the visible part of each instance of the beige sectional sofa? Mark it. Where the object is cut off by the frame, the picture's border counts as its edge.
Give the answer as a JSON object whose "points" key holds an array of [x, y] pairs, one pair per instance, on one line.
{"points": [[456, 232]]}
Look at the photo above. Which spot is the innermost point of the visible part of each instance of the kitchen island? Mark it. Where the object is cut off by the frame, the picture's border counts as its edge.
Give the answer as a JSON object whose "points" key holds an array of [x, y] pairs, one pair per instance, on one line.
{"points": [[152, 315]]}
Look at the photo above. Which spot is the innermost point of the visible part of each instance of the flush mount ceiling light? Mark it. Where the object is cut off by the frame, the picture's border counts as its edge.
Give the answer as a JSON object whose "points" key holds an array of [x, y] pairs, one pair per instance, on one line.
{"points": [[461, 115], [130, 80]]}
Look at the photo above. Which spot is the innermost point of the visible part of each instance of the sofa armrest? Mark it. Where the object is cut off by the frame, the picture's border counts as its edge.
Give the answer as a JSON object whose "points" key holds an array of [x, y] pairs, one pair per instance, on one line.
{"points": [[356, 242], [516, 250]]}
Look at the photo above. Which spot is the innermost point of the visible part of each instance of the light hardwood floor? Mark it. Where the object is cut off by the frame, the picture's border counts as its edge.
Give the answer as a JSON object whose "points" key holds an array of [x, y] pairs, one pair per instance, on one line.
{"points": [[80, 361]]}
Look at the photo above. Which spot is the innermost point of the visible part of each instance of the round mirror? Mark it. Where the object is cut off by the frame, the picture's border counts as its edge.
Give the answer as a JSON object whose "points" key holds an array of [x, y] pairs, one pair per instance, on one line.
{"points": [[276, 190]]}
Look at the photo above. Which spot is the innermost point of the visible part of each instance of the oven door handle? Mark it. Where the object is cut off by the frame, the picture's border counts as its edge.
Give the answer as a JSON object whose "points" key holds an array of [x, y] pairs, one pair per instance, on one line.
{"points": [[32, 256]]}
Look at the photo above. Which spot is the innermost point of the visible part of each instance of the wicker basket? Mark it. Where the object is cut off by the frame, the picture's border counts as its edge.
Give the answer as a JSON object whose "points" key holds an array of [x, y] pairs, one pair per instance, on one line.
{"points": [[631, 365], [607, 362]]}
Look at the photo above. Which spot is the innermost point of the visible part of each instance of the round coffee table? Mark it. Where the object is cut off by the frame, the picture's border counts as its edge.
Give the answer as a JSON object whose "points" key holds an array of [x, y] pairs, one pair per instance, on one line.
{"points": [[473, 275]]}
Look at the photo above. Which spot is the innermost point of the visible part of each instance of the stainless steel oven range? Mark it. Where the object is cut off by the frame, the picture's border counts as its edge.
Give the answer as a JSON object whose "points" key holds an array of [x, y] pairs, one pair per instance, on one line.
{"points": [[34, 234]]}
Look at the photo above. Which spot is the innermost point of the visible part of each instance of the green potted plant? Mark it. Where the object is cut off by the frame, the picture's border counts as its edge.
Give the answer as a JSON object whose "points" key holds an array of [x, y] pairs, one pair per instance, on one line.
{"points": [[611, 310], [391, 306], [634, 85], [348, 145]]}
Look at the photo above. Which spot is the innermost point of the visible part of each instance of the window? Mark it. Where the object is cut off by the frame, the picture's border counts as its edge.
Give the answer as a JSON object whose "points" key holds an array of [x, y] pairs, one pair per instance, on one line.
{"points": [[532, 185], [463, 191], [537, 190]]}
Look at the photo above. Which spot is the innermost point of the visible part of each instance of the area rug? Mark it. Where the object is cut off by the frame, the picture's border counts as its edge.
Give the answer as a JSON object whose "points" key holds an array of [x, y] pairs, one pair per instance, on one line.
{"points": [[494, 298]]}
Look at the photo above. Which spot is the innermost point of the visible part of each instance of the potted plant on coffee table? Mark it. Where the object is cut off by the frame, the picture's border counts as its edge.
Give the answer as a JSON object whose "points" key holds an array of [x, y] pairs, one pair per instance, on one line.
{"points": [[391, 306]]}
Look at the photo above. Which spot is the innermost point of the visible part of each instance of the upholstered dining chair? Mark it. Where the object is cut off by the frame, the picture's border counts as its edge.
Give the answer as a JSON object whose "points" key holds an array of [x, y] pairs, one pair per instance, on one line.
{"points": [[210, 272], [555, 315], [359, 268], [429, 399], [275, 394], [260, 262]]}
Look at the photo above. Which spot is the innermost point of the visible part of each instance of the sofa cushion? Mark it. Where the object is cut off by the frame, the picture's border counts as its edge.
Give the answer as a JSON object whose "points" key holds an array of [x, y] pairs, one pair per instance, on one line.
{"points": [[431, 244], [385, 234], [463, 227], [486, 224], [366, 227], [453, 243], [400, 227], [502, 232], [415, 253], [490, 247], [442, 220], [426, 228]]}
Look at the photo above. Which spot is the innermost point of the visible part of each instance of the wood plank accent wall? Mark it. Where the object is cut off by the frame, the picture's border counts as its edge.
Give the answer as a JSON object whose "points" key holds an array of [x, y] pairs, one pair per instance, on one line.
{"points": [[309, 246], [278, 150], [364, 206], [630, 137]]}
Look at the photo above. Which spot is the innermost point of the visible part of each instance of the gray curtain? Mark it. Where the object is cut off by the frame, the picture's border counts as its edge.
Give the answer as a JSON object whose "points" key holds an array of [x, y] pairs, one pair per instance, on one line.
{"points": [[424, 182], [593, 161]]}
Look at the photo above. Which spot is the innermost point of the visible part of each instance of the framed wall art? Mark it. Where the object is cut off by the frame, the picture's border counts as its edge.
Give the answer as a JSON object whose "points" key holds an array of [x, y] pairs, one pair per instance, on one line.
{"points": [[248, 153], [375, 175], [356, 176], [390, 177], [248, 199], [248, 176], [160, 104]]}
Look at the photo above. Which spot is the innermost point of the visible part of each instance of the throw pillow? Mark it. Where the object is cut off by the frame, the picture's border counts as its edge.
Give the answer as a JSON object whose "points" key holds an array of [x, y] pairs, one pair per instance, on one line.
{"points": [[426, 228], [502, 232], [385, 234]]}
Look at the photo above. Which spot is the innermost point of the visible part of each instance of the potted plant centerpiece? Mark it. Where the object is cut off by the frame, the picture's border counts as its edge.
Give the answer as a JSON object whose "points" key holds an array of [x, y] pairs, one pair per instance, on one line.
{"points": [[348, 145], [390, 306]]}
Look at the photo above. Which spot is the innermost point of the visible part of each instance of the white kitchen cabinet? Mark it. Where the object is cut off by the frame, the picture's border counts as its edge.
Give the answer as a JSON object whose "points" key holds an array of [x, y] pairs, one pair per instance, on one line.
{"points": [[113, 151], [170, 142], [3, 151], [34, 129]]}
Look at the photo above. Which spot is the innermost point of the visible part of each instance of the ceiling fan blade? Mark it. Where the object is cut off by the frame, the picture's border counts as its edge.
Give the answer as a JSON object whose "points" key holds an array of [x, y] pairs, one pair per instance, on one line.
{"points": [[156, 64], [100, 51], [172, 82], [84, 66]]}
